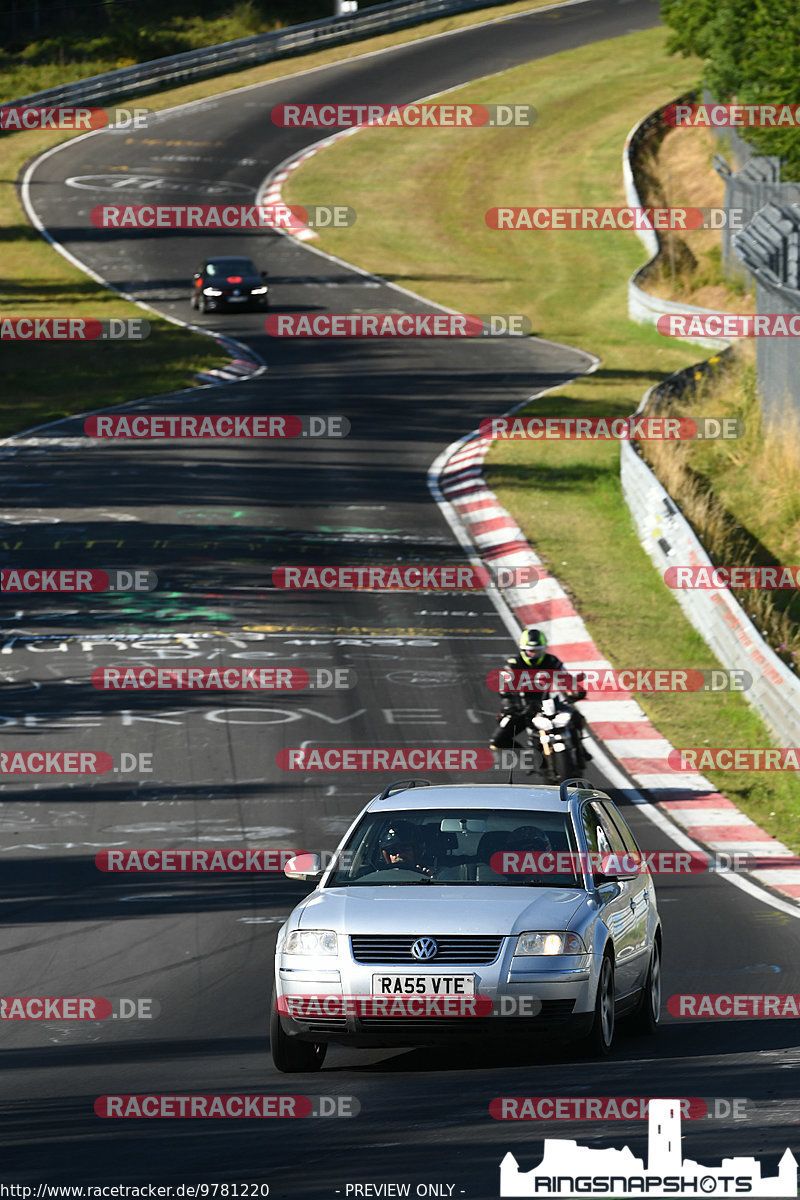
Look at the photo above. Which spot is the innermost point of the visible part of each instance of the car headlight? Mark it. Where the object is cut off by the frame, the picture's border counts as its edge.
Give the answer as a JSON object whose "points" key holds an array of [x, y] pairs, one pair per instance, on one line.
{"points": [[211, 292], [311, 941], [258, 291], [549, 943]]}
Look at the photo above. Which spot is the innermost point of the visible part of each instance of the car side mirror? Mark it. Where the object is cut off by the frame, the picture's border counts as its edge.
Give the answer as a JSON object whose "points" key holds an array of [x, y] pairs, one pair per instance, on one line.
{"points": [[306, 867], [197, 275], [600, 877]]}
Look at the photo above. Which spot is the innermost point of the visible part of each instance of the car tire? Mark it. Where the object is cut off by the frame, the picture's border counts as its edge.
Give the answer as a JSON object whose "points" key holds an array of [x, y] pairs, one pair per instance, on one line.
{"points": [[193, 301], [290, 1055], [202, 304], [601, 1037], [648, 1014]]}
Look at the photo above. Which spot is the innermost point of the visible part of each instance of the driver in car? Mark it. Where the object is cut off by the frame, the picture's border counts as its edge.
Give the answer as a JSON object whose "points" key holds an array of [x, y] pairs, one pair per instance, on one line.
{"points": [[400, 848]]}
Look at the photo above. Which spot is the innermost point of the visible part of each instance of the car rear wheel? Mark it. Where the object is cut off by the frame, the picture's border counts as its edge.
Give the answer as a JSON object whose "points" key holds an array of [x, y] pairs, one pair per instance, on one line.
{"points": [[289, 1054], [601, 1037], [648, 1013]]}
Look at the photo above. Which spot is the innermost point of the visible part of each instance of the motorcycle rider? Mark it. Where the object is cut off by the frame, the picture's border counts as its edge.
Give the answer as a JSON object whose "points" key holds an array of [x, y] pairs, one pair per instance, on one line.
{"points": [[519, 708]]}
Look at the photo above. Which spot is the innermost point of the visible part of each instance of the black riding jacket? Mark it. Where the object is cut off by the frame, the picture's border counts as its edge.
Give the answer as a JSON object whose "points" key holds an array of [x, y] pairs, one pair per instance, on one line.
{"points": [[532, 701]]}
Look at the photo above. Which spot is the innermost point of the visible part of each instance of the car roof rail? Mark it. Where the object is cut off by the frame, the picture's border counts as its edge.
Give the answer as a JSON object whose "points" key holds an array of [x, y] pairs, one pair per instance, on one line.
{"points": [[582, 784], [399, 784]]}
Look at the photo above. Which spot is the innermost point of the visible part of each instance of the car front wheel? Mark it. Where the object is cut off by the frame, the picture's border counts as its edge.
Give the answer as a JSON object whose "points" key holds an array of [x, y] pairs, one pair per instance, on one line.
{"points": [[601, 1037], [289, 1054]]}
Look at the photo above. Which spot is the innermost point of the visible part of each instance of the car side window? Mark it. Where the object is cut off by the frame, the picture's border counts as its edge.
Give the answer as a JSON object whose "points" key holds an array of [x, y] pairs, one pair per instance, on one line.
{"points": [[618, 822], [613, 837], [596, 837]]}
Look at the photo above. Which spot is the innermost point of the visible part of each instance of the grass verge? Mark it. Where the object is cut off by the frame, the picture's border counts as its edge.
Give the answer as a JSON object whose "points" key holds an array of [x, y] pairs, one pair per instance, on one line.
{"points": [[421, 222], [46, 380]]}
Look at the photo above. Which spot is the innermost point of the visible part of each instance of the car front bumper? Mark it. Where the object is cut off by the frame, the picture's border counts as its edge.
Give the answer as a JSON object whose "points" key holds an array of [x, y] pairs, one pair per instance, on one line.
{"points": [[530, 999]]}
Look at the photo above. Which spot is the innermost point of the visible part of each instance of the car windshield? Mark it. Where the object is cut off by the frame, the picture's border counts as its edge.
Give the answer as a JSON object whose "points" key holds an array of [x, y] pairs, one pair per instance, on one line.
{"points": [[231, 266], [468, 847]]}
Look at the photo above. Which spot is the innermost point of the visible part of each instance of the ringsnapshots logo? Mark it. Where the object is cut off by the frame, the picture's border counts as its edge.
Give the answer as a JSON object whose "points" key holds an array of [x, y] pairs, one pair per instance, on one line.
{"points": [[403, 116], [620, 429], [612, 218], [75, 580], [222, 216], [570, 1170], [218, 425], [16, 118], [73, 329], [414, 577], [397, 325]]}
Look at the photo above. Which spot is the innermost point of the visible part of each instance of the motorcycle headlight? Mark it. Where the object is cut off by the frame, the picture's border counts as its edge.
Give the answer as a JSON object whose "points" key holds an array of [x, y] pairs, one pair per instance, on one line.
{"points": [[562, 719], [311, 941], [546, 943], [259, 291], [542, 722], [211, 292]]}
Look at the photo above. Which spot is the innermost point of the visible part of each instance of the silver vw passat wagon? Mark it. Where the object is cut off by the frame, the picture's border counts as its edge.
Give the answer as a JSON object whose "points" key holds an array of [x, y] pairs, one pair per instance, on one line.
{"points": [[450, 912]]}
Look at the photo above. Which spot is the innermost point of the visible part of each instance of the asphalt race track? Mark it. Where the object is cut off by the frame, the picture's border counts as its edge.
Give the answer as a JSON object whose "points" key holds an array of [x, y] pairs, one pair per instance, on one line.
{"points": [[213, 521]]}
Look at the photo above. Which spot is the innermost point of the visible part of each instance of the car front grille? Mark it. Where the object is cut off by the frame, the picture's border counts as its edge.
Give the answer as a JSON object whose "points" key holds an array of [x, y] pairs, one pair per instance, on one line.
{"points": [[451, 948]]}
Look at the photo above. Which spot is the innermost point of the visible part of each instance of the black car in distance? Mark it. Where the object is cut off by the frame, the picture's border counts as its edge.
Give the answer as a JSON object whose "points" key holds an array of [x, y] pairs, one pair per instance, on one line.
{"points": [[225, 283]]}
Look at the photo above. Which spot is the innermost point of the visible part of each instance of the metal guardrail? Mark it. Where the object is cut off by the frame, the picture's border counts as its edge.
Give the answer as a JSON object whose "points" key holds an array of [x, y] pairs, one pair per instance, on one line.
{"points": [[770, 249], [249, 52], [667, 536], [757, 184]]}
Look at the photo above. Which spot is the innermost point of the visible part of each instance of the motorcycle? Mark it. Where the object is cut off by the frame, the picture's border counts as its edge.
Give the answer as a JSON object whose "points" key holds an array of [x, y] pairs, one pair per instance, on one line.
{"points": [[554, 728], [560, 738]]}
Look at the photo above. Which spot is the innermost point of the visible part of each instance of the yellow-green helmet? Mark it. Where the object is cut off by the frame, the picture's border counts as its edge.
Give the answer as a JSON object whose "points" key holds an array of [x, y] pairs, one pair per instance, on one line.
{"points": [[532, 647]]}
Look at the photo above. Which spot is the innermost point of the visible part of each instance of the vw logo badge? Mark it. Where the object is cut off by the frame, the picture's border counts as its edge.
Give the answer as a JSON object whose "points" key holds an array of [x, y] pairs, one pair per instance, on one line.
{"points": [[424, 948]]}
